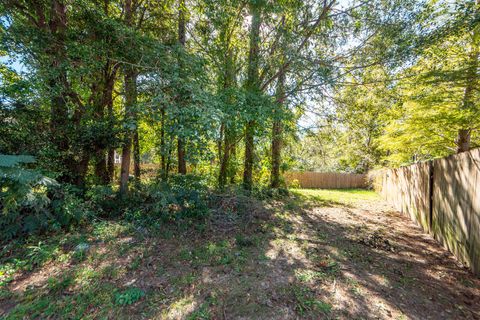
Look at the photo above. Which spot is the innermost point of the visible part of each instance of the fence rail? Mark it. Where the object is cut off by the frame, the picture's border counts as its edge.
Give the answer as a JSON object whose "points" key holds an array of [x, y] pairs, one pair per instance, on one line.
{"points": [[442, 196], [326, 180]]}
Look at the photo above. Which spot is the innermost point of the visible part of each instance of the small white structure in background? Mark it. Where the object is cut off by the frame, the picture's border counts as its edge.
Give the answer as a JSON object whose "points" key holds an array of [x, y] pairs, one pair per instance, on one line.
{"points": [[117, 157]]}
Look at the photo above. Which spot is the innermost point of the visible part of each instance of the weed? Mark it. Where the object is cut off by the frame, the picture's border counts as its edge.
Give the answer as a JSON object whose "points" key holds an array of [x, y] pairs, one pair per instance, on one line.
{"points": [[129, 296], [202, 313], [243, 241], [57, 285], [306, 302], [109, 272], [354, 286], [41, 253], [135, 264], [186, 280], [309, 275]]}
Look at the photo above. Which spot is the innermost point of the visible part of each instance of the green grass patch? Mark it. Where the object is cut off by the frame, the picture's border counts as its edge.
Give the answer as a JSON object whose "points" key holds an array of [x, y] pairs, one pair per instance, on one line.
{"points": [[336, 196]]}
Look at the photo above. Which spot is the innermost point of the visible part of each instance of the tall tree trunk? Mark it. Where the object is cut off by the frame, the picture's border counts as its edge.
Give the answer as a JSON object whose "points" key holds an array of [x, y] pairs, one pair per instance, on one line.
{"points": [[98, 93], [228, 135], [278, 116], [277, 132], [463, 136], [111, 150], [104, 155], [58, 87], [253, 86], [182, 166], [130, 101]]}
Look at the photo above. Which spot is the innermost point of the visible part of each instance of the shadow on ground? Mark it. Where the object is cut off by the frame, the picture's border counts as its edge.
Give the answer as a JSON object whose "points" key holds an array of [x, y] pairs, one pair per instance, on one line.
{"points": [[307, 256]]}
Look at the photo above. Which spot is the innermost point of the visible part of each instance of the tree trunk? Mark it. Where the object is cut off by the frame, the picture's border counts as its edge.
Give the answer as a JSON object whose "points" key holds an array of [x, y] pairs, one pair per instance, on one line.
{"points": [[463, 140], [277, 132], [58, 86], [104, 100], [249, 155], [225, 163], [253, 87], [98, 93], [81, 168], [136, 154], [111, 164], [226, 130], [163, 151], [232, 171], [182, 166], [111, 150], [278, 116], [130, 101], [463, 136]]}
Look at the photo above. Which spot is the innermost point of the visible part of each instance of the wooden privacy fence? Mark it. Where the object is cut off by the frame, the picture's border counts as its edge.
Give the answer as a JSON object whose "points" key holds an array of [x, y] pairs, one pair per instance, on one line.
{"points": [[443, 197], [326, 180]]}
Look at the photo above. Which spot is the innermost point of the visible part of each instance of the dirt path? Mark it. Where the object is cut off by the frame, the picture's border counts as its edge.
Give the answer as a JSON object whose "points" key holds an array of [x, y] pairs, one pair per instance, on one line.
{"points": [[315, 255], [328, 255], [387, 267]]}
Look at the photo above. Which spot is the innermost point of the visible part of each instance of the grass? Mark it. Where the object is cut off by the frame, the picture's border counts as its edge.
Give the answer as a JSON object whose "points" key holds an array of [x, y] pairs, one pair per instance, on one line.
{"points": [[278, 260], [340, 196]]}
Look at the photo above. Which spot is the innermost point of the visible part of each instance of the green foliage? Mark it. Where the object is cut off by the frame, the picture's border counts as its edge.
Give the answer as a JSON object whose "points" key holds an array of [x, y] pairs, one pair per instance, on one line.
{"points": [[104, 201], [305, 302], [32, 202], [129, 296], [179, 198]]}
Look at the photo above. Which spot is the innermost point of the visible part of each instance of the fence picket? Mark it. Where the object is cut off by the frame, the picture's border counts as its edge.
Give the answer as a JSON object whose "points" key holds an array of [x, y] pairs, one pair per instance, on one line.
{"points": [[443, 196]]}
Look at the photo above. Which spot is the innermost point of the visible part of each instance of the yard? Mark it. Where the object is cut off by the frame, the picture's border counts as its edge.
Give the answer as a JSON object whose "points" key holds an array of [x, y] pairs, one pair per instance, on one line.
{"points": [[316, 254]]}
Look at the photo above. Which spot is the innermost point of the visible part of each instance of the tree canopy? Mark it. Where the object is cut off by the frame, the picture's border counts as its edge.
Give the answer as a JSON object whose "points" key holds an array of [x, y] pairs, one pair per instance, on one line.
{"points": [[234, 91]]}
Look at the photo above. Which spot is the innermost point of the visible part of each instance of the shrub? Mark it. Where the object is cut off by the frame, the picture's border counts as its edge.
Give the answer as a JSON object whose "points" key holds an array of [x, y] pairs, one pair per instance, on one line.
{"points": [[173, 200], [31, 202], [104, 200], [129, 296]]}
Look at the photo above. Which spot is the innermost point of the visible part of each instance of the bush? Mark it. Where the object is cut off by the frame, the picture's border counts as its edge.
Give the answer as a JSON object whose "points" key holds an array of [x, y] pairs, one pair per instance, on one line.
{"points": [[104, 201], [173, 200], [31, 203]]}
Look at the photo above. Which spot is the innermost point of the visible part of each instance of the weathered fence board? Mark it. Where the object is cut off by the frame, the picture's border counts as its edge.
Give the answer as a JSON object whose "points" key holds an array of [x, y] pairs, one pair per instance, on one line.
{"points": [[408, 190], [326, 180], [443, 196], [456, 207]]}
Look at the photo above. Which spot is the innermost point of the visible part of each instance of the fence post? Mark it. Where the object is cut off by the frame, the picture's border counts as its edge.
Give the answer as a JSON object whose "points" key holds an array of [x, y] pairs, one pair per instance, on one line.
{"points": [[431, 170]]}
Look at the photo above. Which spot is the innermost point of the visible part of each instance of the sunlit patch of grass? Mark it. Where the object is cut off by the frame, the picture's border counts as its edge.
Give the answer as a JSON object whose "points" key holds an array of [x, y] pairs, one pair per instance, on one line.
{"points": [[85, 275], [309, 276], [180, 308], [340, 196]]}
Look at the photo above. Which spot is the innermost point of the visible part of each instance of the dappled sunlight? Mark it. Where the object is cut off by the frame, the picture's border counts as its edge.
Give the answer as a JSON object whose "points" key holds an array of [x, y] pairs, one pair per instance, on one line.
{"points": [[286, 259]]}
